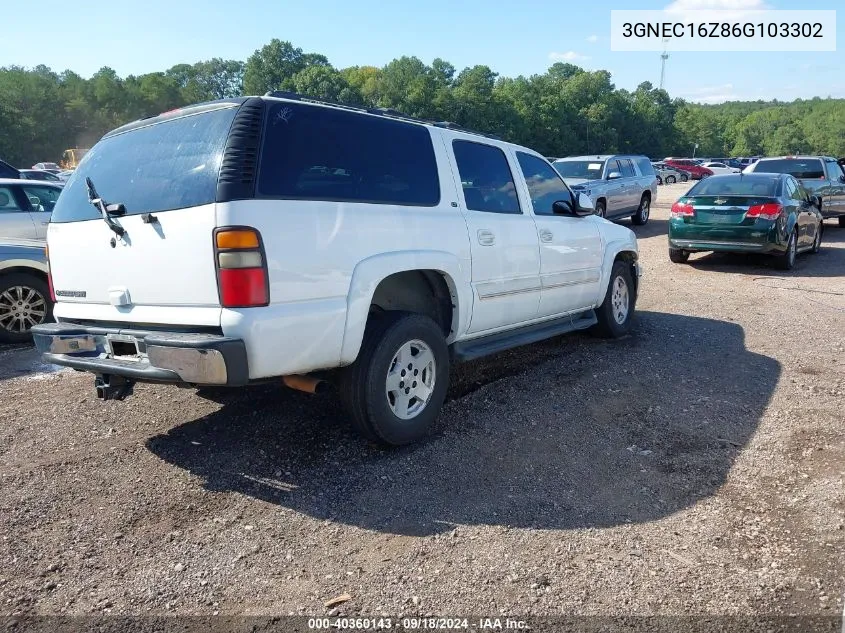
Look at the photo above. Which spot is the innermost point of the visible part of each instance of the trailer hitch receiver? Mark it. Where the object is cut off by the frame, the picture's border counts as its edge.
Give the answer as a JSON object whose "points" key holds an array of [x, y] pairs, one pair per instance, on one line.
{"points": [[111, 387]]}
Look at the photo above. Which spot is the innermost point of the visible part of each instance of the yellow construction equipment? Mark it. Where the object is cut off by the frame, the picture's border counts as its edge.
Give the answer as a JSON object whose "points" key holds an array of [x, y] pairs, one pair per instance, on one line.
{"points": [[71, 157]]}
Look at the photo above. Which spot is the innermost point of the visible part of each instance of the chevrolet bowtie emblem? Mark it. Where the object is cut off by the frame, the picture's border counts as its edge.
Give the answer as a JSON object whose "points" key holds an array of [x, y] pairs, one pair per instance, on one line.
{"points": [[719, 201]]}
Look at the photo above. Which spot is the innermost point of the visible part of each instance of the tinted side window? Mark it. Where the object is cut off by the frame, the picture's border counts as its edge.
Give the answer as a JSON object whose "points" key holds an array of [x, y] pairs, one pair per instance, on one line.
{"points": [[7, 201], [42, 198], [7, 171], [317, 153], [486, 178], [646, 168], [612, 166], [627, 168], [544, 184], [834, 171]]}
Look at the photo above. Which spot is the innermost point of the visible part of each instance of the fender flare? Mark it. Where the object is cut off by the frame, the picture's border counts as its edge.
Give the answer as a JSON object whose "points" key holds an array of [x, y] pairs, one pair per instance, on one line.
{"points": [[370, 272], [611, 251], [34, 266]]}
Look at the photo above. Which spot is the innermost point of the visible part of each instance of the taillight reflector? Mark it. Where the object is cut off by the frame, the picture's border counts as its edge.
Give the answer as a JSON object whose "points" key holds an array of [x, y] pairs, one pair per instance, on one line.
{"points": [[241, 268], [243, 287], [682, 210], [768, 211]]}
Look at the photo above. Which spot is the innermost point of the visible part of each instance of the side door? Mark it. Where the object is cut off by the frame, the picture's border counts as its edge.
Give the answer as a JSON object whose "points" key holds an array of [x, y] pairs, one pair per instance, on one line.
{"points": [[806, 224], [836, 177], [15, 220], [615, 188], [631, 187], [503, 237], [570, 247], [41, 200]]}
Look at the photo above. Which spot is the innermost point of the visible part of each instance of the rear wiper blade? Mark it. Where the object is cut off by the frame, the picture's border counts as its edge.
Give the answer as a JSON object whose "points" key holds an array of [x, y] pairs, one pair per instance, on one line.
{"points": [[106, 210]]}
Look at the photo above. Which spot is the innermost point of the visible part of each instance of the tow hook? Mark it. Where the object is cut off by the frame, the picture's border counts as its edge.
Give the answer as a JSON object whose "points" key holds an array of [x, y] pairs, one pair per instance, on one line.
{"points": [[113, 387]]}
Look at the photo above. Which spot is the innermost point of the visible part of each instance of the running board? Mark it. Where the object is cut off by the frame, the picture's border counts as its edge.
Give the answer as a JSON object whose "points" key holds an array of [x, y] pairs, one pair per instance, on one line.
{"points": [[494, 343]]}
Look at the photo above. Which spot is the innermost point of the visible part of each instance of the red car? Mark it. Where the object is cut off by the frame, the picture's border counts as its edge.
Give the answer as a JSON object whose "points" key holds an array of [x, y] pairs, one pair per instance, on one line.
{"points": [[697, 172]]}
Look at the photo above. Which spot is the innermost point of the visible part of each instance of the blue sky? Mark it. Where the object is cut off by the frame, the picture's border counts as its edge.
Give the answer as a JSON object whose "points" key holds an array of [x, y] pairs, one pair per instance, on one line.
{"points": [[512, 39]]}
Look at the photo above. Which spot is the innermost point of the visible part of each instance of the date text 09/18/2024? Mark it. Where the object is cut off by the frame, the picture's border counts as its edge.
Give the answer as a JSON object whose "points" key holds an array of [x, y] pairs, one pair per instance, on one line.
{"points": [[417, 624]]}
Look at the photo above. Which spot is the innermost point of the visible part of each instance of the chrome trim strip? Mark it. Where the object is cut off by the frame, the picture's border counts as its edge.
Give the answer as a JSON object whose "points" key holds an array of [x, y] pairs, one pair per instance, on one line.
{"points": [[577, 282], [505, 293], [704, 243]]}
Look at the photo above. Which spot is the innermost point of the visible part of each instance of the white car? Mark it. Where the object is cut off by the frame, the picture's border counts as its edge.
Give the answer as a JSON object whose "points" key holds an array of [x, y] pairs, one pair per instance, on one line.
{"points": [[720, 168], [283, 239]]}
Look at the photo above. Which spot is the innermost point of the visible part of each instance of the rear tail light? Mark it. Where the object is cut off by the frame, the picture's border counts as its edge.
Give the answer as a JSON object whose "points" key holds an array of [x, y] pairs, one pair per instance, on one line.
{"points": [[49, 275], [241, 268], [682, 210], [768, 211]]}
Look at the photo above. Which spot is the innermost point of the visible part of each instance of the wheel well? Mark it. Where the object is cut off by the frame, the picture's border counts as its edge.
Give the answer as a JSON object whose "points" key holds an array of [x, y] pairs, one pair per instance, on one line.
{"points": [[647, 194], [24, 270], [421, 291], [602, 200]]}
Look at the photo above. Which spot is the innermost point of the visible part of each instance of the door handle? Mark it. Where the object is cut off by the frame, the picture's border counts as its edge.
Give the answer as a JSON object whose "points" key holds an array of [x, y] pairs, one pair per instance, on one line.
{"points": [[546, 235], [45, 223], [486, 238]]}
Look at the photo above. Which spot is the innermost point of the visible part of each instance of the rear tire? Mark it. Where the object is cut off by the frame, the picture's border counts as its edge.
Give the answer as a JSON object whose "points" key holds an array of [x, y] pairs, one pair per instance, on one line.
{"points": [[684, 178], [24, 302], [617, 310], [643, 211], [390, 403], [786, 261], [678, 256]]}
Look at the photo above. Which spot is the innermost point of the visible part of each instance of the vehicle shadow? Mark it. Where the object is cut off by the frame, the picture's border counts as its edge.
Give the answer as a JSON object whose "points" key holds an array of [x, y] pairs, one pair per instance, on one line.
{"points": [[573, 432], [652, 228], [829, 262]]}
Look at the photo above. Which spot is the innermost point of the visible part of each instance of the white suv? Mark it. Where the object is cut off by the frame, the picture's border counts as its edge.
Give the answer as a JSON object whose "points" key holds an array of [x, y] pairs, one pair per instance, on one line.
{"points": [[281, 238]]}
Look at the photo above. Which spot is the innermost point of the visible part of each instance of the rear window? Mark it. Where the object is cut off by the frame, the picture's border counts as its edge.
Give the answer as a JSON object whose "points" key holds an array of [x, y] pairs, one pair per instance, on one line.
{"points": [[739, 185], [799, 168], [318, 153], [160, 167]]}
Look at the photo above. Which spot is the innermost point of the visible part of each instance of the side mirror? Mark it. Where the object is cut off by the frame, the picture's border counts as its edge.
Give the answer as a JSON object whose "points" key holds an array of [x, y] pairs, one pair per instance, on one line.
{"points": [[614, 175], [584, 205], [562, 207], [842, 178]]}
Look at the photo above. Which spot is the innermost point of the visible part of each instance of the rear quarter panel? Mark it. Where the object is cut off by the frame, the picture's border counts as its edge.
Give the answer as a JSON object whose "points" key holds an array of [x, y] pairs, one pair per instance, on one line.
{"points": [[325, 260]]}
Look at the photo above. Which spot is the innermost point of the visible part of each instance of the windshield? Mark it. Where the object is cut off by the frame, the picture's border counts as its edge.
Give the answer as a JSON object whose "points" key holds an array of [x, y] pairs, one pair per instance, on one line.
{"points": [[739, 185], [589, 169], [168, 165], [797, 167]]}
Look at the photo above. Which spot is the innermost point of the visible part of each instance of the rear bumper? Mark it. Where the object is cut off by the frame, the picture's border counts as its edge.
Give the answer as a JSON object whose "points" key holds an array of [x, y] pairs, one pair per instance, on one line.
{"points": [[728, 246], [173, 357]]}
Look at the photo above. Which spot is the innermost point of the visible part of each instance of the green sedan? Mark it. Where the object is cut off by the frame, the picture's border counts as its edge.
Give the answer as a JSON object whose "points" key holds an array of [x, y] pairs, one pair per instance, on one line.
{"points": [[746, 213]]}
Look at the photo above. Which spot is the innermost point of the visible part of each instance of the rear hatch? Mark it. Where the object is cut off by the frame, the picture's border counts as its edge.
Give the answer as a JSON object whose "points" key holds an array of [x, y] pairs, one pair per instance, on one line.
{"points": [[161, 270]]}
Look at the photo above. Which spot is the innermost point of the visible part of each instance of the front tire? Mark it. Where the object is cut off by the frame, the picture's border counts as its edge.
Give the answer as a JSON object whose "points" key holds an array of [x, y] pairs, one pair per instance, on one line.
{"points": [[396, 387], [601, 209], [786, 261], [678, 256], [670, 180], [24, 303], [643, 212], [617, 310], [842, 221]]}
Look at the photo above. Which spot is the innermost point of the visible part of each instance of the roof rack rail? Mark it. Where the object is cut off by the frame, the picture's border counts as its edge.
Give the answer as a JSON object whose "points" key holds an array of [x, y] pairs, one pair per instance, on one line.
{"points": [[454, 126], [386, 112]]}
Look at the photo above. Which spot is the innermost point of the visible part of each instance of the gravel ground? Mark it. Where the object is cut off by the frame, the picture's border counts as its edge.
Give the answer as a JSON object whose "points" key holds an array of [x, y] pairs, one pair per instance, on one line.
{"points": [[695, 467]]}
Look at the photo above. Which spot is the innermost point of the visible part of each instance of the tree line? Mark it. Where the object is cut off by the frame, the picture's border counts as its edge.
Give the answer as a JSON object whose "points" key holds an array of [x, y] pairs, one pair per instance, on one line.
{"points": [[565, 111]]}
